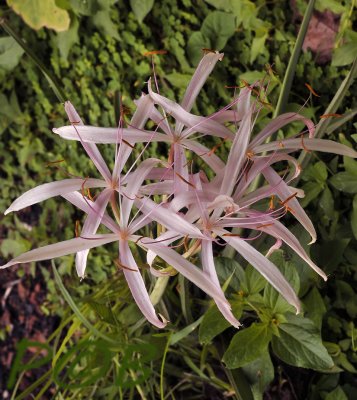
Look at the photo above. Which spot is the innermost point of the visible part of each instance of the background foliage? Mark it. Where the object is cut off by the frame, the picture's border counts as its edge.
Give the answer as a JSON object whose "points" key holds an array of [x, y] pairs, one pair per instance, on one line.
{"points": [[95, 48]]}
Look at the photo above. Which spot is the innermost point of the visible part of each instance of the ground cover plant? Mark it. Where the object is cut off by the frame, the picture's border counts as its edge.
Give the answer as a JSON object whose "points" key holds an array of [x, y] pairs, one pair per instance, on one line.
{"points": [[99, 323]]}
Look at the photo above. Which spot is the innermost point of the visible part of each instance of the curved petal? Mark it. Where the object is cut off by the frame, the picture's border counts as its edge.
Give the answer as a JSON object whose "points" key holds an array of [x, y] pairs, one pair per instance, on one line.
{"points": [[206, 154], [52, 189], [137, 286], [210, 269], [189, 270], [62, 249], [194, 122], [203, 70], [86, 205], [168, 218], [283, 191], [90, 148], [265, 267], [95, 134], [90, 227], [133, 186], [327, 146], [279, 122]]}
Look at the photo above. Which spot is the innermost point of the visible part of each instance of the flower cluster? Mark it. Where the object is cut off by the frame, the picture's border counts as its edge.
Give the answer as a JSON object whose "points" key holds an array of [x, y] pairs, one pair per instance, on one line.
{"points": [[186, 212]]}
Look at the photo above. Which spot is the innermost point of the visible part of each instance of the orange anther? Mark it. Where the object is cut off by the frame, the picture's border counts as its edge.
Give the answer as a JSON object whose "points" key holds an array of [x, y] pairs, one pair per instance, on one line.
{"points": [[311, 90], [155, 52]]}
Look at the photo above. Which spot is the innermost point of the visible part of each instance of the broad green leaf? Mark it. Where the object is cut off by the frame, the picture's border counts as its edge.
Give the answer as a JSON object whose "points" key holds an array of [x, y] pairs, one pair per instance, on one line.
{"points": [[299, 344], [10, 53], [329, 254], [254, 282], [102, 19], [41, 13], [178, 80], [271, 297], [260, 373], [350, 165], [337, 394], [196, 43], [345, 181], [14, 247], [354, 217], [65, 40], [218, 27], [257, 46], [312, 190], [335, 6], [214, 323], [227, 267], [344, 55], [244, 11], [247, 345], [84, 7], [314, 307], [224, 5], [326, 203], [141, 8]]}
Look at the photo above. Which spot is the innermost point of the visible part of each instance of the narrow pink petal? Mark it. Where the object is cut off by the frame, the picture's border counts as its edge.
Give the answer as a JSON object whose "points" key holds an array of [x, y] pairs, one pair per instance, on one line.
{"points": [[86, 205], [193, 122], [279, 122], [258, 165], [237, 155], [186, 268], [62, 249], [279, 231], [270, 272], [166, 239], [137, 286], [52, 189], [203, 70], [132, 189], [207, 156], [283, 191], [167, 218], [180, 169], [90, 148], [94, 134], [90, 227], [327, 146]]}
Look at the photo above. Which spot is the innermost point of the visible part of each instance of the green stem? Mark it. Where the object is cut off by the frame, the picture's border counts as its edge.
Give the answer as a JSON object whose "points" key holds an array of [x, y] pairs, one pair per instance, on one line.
{"points": [[290, 71], [55, 85]]}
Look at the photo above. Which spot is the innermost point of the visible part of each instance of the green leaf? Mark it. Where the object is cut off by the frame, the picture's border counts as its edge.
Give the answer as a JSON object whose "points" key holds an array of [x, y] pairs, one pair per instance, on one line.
{"points": [[354, 217], [10, 53], [14, 247], [260, 373], [228, 268], [299, 344], [314, 307], [214, 323], [84, 7], [271, 297], [337, 394], [65, 40], [102, 19], [41, 13], [312, 190], [218, 27], [334, 5], [196, 43], [345, 181], [247, 345], [257, 47], [141, 8], [344, 55], [254, 281], [224, 5]]}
